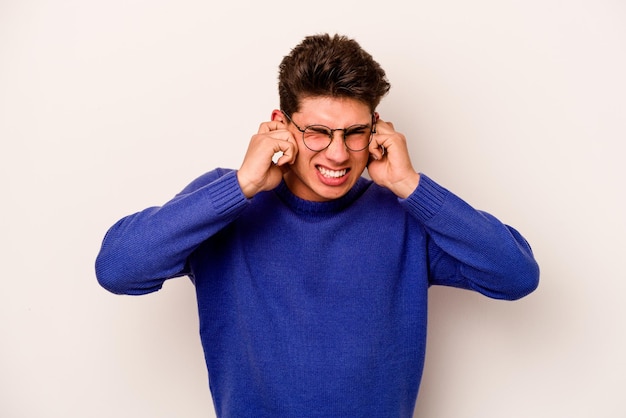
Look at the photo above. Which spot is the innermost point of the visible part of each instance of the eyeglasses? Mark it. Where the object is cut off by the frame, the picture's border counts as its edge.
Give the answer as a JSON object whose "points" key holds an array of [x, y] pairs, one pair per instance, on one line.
{"points": [[318, 137]]}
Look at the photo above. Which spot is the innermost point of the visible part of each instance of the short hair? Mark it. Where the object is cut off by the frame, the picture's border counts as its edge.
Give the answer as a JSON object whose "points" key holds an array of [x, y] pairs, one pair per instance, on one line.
{"points": [[330, 66]]}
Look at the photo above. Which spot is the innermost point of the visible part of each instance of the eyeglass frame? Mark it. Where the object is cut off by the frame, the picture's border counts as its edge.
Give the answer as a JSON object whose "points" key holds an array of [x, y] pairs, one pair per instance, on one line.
{"points": [[331, 134]]}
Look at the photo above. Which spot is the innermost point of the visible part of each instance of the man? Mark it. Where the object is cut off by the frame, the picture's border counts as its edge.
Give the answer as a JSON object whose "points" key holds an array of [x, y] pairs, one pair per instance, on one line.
{"points": [[311, 280]]}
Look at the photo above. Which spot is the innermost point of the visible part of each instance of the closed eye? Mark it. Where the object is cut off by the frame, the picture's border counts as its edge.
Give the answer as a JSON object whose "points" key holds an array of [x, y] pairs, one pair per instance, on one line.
{"points": [[320, 129], [357, 130]]}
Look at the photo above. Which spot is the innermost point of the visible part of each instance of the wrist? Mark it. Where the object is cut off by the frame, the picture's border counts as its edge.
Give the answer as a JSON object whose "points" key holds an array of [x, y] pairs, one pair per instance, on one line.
{"points": [[407, 185], [247, 188]]}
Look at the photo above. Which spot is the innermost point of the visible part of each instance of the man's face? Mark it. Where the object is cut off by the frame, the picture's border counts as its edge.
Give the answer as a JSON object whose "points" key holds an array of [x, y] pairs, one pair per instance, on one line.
{"points": [[330, 173]]}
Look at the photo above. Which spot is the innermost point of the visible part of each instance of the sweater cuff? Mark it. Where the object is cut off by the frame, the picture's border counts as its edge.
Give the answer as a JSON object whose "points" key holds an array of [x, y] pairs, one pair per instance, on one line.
{"points": [[427, 199], [226, 195]]}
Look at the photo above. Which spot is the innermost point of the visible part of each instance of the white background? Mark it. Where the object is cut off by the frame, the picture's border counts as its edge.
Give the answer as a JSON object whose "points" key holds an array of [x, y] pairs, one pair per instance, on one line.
{"points": [[107, 107]]}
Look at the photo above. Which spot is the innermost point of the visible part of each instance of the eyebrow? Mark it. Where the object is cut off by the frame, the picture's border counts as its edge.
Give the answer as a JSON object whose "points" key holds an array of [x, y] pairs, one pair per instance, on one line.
{"points": [[354, 126]]}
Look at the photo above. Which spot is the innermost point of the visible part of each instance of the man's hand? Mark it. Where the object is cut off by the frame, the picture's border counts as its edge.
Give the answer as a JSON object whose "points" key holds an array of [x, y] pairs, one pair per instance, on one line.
{"points": [[258, 171], [390, 165]]}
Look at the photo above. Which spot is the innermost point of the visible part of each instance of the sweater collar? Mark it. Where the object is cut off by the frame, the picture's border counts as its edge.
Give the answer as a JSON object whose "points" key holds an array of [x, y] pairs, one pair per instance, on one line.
{"points": [[329, 207]]}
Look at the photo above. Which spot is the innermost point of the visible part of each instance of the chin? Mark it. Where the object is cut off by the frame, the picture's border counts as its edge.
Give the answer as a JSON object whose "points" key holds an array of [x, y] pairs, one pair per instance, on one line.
{"points": [[333, 192]]}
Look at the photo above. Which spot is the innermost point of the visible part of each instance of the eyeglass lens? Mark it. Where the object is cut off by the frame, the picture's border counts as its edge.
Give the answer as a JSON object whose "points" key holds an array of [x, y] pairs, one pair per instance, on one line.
{"points": [[319, 137]]}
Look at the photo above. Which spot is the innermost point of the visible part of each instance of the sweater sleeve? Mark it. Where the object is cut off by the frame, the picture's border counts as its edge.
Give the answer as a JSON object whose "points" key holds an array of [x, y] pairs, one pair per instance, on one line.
{"points": [[142, 250], [472, 249]]}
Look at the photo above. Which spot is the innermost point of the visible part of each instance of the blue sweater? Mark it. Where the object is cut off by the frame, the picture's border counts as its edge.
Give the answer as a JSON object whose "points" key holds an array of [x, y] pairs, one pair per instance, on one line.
{"points": [[314, 309]]}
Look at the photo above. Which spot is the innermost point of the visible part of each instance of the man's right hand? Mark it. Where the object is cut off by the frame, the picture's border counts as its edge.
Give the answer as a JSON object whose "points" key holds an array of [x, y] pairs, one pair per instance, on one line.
{"points": [[259, 172]]}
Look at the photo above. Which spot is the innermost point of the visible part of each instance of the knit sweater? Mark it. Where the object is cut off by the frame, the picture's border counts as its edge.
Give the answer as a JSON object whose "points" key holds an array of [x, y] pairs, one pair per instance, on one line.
{"points": [[315, 309]]}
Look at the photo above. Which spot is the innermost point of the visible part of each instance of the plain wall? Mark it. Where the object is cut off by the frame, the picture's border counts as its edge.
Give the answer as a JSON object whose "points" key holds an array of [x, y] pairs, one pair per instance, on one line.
{"points": [[107, 107]]}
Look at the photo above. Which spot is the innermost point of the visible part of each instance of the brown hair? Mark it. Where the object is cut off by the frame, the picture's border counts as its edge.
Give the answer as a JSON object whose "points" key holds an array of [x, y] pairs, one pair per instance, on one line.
{"points": [[327, 66]]}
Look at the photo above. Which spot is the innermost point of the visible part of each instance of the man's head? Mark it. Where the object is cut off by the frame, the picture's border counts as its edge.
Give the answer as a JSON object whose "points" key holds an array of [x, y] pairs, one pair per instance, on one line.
{"points": [[329, 84], [330, 66]]}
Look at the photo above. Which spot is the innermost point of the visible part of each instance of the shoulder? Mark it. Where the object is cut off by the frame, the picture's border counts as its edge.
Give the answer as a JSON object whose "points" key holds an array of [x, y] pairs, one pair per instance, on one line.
{"points": [[378, 198], [208, 178]]}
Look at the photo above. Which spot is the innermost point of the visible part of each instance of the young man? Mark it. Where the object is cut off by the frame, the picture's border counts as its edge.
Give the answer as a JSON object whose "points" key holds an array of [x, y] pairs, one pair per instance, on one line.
{"points": [[311, 280]]}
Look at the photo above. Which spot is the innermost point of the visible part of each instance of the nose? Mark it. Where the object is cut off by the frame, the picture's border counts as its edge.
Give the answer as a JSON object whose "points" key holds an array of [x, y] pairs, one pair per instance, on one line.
{"points": [[337, 151]]}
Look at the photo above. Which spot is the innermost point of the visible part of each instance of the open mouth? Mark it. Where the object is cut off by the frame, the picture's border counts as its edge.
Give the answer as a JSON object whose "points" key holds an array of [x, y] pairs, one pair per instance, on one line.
{"points": [[333, 174]]}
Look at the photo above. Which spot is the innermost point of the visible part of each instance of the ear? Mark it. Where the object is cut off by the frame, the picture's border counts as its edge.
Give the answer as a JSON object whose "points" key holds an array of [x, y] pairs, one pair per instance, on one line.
{"points": [[376, 116], [278, 116]]}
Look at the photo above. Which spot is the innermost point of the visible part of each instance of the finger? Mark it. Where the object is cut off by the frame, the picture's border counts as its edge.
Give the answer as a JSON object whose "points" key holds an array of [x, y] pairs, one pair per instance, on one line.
{"points": [[384, 127], [287, 145], [273, 125], [376, 150], [385, 122], [286, 153]]}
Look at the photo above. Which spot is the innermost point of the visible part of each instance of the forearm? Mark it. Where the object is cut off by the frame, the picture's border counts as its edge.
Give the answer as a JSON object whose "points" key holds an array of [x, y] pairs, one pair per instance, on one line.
{"points": [[142, 250], [470, 248]]}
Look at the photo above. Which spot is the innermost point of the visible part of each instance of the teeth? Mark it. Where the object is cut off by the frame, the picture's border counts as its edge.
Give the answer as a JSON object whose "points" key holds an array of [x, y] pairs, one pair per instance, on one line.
{"points": [[332, 173]]}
